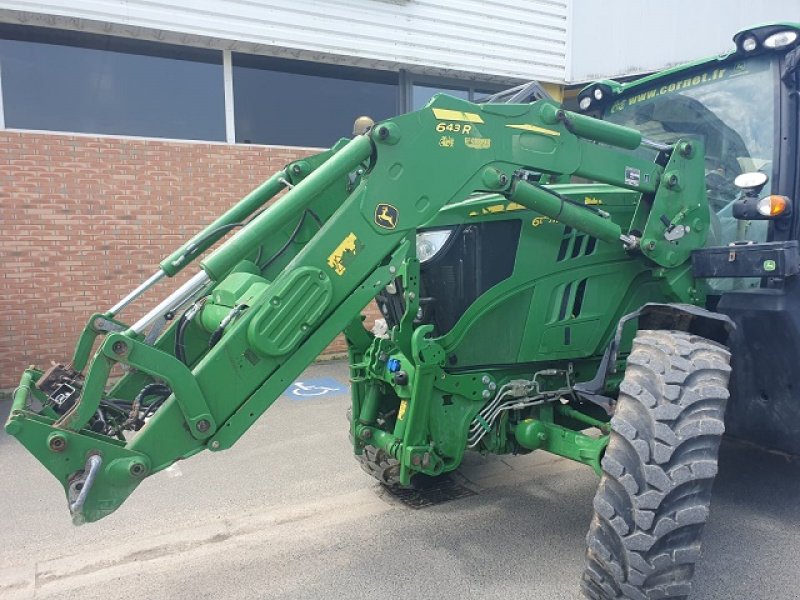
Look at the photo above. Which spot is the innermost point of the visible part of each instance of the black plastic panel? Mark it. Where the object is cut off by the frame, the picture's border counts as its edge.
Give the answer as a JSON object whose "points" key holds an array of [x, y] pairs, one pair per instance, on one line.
{"points": [[773, 259], [477, 257]]}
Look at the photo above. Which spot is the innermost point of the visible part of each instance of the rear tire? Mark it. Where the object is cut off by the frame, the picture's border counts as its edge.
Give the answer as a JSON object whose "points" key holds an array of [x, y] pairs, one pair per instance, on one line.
{"points": [[658, 471]]}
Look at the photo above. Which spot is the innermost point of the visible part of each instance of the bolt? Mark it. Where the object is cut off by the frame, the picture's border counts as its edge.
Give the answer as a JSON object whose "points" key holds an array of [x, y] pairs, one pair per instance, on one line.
{"points": [[296, 169], [392, 269], [57, 443], [485, 379], [687, 149], [137, 469], [503, 179], [383, 132], [411, 295], [215, 445], [672, 181], [542, 436], [304, 327], [487, 394], [492, 386], [119, 347], [203, 425], [366, 434], [275, 302], [651, 245]]}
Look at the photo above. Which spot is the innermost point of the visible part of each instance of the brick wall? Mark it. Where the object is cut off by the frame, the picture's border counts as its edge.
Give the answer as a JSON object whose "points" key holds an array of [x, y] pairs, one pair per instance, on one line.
{"points": [[84, 219]]}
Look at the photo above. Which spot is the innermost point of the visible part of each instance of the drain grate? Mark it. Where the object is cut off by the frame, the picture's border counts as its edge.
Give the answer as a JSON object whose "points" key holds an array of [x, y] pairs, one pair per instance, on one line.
{"points": [[431, 492]]}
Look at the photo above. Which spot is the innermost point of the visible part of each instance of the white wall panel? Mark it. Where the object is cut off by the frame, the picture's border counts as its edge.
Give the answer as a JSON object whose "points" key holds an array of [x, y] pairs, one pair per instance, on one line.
{"points": [[504, 40]]}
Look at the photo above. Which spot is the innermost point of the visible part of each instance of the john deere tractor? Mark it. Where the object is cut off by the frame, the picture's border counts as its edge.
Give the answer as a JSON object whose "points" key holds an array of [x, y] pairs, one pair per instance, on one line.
{"points": [[567, 282]]}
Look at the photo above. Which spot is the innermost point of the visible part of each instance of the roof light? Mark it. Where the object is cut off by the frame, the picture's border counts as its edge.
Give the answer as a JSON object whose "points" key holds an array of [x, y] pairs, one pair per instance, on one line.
{"points": [[585, 103], [781, 39], [751, 180], [749, 43], [598, 94], [773, 206]]}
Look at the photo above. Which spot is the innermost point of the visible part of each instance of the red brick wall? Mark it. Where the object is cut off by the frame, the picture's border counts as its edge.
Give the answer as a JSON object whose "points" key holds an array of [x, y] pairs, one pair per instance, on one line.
{"points": [[85, 219]]}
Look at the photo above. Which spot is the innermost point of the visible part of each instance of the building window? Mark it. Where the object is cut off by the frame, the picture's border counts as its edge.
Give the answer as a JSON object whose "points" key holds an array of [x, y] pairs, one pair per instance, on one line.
{"points": [[421, 94], [297, 103], [68, 81], [423, 89]]}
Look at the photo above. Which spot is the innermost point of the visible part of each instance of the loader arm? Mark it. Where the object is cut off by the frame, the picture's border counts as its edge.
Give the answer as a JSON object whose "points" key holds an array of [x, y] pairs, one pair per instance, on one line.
{"points": [[209, 359]]}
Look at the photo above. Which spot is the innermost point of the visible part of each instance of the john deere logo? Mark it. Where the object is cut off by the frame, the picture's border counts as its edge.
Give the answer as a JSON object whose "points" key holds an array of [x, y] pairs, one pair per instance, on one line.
{"points": [[386, 216]]}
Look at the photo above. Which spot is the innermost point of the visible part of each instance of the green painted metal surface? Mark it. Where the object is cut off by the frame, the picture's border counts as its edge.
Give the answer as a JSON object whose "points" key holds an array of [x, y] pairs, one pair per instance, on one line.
{"points": [[299, 273]]}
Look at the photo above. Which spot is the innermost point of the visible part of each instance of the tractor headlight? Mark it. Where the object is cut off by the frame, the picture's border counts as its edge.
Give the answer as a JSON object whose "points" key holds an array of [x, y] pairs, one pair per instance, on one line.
{"points": [[430, 243], [780, 39], [749, 43], [585, 103]]}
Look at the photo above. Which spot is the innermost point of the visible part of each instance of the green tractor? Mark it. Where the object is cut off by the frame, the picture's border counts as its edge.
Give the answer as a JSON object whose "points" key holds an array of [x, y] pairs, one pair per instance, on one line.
{"points": [[572, 282]]}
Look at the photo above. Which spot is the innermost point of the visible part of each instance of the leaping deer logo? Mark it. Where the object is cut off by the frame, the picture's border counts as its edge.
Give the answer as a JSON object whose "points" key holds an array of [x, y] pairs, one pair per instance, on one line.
{"points": [[386, 216]]}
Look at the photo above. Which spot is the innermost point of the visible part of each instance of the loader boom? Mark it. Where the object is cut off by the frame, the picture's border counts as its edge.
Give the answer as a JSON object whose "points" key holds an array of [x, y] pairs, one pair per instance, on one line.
{"points": [[343, 230]]}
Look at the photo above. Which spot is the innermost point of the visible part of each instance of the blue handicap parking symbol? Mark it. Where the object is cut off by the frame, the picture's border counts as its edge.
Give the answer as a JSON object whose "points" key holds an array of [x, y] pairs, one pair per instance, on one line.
{"points": [[317, 387]]}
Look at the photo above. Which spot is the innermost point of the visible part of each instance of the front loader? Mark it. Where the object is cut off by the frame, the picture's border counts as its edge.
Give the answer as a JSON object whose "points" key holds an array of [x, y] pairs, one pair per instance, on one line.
{"points": [[522, 313]]}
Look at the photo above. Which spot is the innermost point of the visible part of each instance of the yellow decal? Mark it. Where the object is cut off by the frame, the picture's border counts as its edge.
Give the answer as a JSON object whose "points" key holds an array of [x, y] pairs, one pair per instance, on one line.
{"points": [[447, 142], [386, 216], [589, 201], [478, 143], [534, 128], [496, 208], [343, 253], [402, 411], [444, 114], [454, 128], [539, 220]]}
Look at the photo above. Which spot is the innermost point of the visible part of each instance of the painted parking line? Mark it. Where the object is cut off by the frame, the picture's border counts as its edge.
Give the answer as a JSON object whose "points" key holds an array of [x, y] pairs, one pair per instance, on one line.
{"points": [[315, 387]]}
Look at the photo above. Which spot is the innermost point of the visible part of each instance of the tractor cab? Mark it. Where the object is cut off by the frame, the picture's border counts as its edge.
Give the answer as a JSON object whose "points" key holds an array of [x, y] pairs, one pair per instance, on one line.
{"points": [[743, 107]]}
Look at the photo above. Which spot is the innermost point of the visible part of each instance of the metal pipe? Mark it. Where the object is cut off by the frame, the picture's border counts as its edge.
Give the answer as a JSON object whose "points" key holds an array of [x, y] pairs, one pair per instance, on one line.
{"points": [[143, 287], [21, 394], [224, 223], [564, 212], [591, 128], [220, 262], [91, 469], [176, 298], [656, 145]]}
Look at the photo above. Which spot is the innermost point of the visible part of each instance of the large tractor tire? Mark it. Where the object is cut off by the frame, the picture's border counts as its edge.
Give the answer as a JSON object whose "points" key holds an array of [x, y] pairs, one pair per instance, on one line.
{"points": [[658, 470]]}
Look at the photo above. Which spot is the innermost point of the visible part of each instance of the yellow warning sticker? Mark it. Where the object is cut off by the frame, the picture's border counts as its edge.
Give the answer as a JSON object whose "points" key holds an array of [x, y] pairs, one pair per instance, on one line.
{"points": [[534, 129], [343, 254], [445, 114], [402, 412]]}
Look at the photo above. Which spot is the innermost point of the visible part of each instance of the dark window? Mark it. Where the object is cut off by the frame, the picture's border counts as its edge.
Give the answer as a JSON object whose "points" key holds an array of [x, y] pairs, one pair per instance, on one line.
{"points": [[421, 94], [68, 81], [297, 103]]}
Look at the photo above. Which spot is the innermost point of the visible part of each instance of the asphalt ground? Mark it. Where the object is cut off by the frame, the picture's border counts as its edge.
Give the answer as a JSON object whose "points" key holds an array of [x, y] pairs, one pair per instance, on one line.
{"points": [[288, 514]]}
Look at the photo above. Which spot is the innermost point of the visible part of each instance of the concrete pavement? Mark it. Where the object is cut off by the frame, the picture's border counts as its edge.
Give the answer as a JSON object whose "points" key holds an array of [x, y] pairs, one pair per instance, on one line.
{"points": [[288, 514]]}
